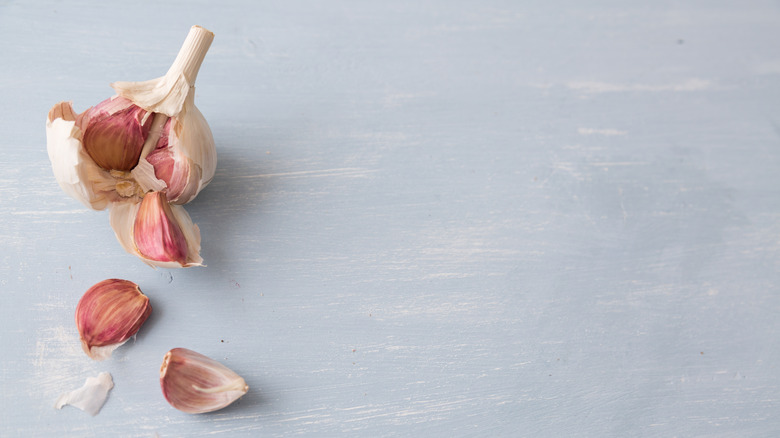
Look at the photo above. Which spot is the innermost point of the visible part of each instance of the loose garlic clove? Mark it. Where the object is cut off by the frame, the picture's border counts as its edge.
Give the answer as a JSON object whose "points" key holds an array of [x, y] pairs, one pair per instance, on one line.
{"points": [[110, 313], [194, 383], [159, 233]]}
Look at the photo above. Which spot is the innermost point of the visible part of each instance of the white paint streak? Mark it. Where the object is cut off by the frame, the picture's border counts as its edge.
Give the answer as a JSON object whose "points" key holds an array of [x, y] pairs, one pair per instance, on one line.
{"points": [[607, 132], [58, 361], [344, 171], [768, 68], [442, 275], [49, 212], [594, 87]]}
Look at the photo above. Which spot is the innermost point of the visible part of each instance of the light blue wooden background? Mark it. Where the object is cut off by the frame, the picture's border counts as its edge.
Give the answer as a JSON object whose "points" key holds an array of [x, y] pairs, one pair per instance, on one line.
{"points": [[430, 218]]}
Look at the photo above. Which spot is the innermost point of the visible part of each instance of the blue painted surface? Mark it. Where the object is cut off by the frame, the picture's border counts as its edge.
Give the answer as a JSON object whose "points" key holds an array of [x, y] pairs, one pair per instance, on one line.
{"points": [[436, 218]]}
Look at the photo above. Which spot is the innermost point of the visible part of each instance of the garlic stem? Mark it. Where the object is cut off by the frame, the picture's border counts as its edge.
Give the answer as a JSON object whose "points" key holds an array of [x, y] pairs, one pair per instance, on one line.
{"points": [[167, 94], [191, 54], [154, 134]]}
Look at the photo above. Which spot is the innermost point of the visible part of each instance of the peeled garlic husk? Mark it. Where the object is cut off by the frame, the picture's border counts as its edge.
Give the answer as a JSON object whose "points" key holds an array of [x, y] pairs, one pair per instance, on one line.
{"points": [[90, 397], [108, 166], [108, 314], [160, 234], [194, 383]]}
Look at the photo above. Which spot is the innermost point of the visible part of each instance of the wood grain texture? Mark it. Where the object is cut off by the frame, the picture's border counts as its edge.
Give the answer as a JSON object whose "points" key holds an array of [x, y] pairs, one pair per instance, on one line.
{"points": [[437, 218]]}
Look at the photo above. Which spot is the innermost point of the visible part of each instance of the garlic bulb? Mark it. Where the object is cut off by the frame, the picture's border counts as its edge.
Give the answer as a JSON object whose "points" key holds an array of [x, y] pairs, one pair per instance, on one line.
{"points": [[149, 138], [110, 313], [153, 122], [194, 383]]}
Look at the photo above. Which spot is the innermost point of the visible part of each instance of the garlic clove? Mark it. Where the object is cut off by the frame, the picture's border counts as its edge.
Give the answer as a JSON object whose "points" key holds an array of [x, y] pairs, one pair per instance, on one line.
{"points": [[194, 383], [74, 170], [180, 175], [156, 233], [115, 131], [159, 234], [108, 314]]}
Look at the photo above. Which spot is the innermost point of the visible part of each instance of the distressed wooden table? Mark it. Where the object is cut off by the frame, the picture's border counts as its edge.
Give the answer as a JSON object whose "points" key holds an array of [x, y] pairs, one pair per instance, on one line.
{"points": [[437, 218]]}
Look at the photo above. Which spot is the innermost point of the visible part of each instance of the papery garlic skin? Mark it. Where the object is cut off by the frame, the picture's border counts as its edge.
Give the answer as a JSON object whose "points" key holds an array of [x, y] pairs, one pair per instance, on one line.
{"points": [[157, 219], [78, 174], [90, 397], [196, 384], [75, 171], [108, 314]]}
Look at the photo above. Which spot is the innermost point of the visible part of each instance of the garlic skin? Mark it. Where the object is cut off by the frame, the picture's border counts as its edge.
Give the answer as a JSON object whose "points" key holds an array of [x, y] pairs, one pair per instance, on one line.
{"points": [[108, 314], [160, 234], [75, 171], [90, 397], [195, 384]]}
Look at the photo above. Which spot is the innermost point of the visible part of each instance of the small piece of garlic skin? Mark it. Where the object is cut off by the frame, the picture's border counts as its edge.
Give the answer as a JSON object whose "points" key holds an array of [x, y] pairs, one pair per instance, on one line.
{"points": [[108, 314], [90, 397], [196, 384]]}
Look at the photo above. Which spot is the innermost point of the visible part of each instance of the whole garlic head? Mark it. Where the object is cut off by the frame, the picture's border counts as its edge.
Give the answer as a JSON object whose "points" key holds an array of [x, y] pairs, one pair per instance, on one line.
{"points": [[100, 155], [148, 140]]}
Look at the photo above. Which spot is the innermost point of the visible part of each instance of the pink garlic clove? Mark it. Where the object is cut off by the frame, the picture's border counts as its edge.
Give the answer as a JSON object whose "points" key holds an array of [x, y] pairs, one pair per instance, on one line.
{"points": [[156, 233], [180, 174], [108, 314], [194, 383], [114, 133], [136, 232]]}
